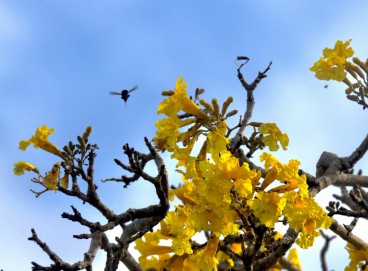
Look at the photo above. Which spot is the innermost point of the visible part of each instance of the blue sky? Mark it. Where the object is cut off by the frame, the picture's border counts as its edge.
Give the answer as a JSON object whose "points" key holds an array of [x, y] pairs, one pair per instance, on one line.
{"points": [[59, 60]]}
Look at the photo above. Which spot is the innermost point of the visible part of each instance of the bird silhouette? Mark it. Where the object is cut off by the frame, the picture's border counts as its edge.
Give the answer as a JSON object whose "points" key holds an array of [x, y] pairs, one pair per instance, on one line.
{"points": [[124, 93]]}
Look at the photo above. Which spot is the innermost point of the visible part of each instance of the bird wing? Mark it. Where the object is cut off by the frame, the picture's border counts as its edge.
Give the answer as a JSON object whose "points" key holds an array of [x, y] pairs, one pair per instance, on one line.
{"points": [[115, 93]]}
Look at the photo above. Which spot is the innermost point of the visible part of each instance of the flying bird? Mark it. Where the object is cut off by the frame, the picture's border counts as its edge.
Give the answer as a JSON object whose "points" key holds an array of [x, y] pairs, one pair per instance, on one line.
{"points": [[124, 93]]}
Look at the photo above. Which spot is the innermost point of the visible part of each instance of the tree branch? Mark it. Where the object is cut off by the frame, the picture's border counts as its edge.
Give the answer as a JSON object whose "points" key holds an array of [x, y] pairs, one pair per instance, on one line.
{"points": [[358, 153], [325, 249], [250, 98], [348, 236], [59, 263]]}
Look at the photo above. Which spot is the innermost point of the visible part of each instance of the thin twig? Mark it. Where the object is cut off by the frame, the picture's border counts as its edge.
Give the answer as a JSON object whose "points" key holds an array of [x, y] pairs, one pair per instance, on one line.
{"points": [[324, 250]]}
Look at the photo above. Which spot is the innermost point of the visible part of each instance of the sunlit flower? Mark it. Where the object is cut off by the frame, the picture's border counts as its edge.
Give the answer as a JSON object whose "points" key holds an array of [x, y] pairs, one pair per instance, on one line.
{"points": [[358, 258], [205, 259], [293, 258], [87, 132], [217, 141], [306, 216], [273, 135], [21, 166], [50, 181], [167, 133], [268, 207], [288, 174], [149, 245], [64, 182], [332, 64], [40, 140]]}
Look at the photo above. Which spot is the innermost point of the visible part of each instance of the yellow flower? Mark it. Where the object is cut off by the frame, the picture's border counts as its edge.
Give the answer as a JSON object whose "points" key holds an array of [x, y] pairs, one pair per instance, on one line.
{"points": [[159, 262], [285, 173], [147, 246], [205, 259], [236, 248], [171, 105], [244, 187], [293, 257], [21, 166], [180, 101], [223, 257], [150, 245], [268, 207], [87, 132], [269, 160], [176, 224], [289, 173], [269, 178], [217, 141], [306, 216], [358, 258], [332, 64], [167, 133], [40, 140], [51, 179], [186, 193], [64, 182], [273, 135], [181, 246]]}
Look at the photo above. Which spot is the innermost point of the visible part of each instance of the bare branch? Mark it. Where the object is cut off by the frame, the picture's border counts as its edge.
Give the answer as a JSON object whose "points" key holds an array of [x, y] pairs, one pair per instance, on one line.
{"points": [[59, 264], [250, 98], [286, 242], [350, 180], [358, 153], [287, 265], [348, 236], [325, 249]]}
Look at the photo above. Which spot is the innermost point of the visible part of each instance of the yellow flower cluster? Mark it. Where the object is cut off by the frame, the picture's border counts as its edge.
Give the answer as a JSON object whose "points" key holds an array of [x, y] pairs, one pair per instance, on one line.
{"points": [[21, 166], [273, 135], [332, 64], [358, 258], [40, 140], [301, 210], [210, 180]]}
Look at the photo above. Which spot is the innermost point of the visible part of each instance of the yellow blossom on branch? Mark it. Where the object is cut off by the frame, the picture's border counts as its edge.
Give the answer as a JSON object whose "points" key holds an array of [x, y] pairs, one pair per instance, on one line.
{"points": [[21, 166], [358, 258], [217, 189], [306, 216], [217, 141], [87, 132], [332, 64], [301, 210], [293, 257], [167, 133], [171, 105], [40, 140], [64, 182], [288, 174], [50, 181], [205, 259], [180, 101], [273, 135], [268, 207], [269, 160], [150, 245]]}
